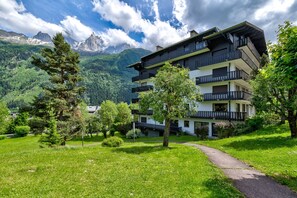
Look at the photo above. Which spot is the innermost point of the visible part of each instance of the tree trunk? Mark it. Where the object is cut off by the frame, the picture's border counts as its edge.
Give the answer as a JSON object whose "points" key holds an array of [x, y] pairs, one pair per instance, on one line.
{"points": [[283, 120], [166, 132], [104, 133], [292, 123]]}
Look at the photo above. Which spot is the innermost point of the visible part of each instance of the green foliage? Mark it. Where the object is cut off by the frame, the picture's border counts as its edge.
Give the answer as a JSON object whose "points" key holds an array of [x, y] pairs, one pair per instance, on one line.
{"points": [[22, 131], [276, 85], [255, 122], [64, 91], [131, 134], [224, 129], [112, 142], [4, 118], [107, 115], [37, 125], [123, 119], [21, 119], [202, 132], [174, 96], [106, 76], [2, 137], [51, 136]]}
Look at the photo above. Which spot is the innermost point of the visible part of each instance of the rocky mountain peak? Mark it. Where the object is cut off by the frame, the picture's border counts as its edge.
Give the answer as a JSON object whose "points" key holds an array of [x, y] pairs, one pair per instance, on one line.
{"points": [[43, 37]]}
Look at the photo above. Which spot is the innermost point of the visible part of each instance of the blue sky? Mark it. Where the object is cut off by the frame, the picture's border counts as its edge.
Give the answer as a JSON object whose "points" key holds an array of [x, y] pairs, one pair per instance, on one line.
{"points": [[141, 23]]}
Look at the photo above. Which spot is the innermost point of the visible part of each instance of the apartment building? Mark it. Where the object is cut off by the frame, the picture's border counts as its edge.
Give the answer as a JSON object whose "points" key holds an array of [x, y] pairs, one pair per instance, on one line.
{"points": [[221, 63]]}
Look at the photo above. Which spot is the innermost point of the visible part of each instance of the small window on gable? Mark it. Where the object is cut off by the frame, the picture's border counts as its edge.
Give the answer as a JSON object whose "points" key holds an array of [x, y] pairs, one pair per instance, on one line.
{"points": [[186, 48], [186, 124], [200, 45]]}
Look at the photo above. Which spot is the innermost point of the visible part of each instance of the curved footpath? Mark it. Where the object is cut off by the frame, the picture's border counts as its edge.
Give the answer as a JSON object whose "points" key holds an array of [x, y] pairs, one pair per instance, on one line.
{"points": [[247, 180]]}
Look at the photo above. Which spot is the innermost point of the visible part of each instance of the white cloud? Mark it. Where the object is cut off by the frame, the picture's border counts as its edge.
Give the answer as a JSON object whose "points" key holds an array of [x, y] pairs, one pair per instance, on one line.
{"points": [[13, 16], [155, 33], [271, 7], [75, 28], [116, 37], [179, 8], [119, 13]]}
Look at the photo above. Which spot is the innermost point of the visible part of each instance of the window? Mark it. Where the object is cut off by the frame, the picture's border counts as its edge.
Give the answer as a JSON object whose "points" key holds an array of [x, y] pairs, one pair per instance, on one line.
{"points": [[186, 48], [220, 89], [219, 72], [221, 107], [243, 108], [174, 123], [237, 107], [143, 119], [186, 124], [200, 45]]}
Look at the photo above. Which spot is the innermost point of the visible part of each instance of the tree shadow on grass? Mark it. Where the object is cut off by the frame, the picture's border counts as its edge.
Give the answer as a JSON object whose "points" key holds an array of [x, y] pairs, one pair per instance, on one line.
{"points": [[95, 138], [264, 143], [269, 130], [142, 149], [221, 187]]}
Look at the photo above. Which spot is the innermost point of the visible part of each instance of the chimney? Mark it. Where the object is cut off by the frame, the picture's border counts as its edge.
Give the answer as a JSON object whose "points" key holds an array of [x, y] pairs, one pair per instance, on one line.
{"points": [[193, 33], [158, 47]]}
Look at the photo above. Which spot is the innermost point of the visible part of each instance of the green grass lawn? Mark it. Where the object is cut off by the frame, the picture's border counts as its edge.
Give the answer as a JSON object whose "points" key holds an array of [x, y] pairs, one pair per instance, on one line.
{"points": [[134, 170], [270, 150]]}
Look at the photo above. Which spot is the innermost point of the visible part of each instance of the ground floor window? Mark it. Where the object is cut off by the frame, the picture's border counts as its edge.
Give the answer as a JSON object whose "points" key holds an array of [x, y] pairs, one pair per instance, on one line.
{"points": [[143, 119], [186, 123]]}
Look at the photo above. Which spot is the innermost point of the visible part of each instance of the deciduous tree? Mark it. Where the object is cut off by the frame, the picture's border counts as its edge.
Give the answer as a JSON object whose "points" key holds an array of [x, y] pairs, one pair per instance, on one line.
{"points": [[174, 96]]}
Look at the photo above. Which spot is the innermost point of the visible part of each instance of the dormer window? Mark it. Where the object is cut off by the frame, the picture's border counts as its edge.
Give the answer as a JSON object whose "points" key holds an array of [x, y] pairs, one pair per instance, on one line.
{"points": [[186, 48], [200, 45]]}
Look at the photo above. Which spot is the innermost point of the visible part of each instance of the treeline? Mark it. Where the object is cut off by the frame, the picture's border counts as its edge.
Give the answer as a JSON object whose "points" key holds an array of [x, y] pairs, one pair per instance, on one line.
{"points": [[105, 76]]}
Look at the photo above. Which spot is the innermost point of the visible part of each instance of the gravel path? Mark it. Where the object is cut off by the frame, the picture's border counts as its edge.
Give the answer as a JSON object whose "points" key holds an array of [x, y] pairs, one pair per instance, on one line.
{"points": [[247, 180]]}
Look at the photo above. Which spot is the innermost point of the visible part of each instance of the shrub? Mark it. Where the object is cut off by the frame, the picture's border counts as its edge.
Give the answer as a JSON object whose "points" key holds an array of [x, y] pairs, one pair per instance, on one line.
{"points": [[22, 131], [112, 142], [131, 135], [224, 129], [256, 122], [51, 136], [202, 132], [2, 137]]}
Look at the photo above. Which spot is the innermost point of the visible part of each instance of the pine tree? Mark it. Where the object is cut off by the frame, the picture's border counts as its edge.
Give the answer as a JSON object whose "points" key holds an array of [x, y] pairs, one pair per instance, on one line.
{"points": [[64, 91]]}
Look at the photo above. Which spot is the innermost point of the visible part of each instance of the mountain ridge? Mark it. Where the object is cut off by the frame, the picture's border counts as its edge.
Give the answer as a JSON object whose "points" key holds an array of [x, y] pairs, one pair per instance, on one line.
{"points": [[94, 43]]}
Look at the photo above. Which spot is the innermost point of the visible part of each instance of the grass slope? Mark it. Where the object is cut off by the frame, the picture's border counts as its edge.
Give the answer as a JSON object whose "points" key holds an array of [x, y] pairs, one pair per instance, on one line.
{"points": [[134, 170], [270, 150]]}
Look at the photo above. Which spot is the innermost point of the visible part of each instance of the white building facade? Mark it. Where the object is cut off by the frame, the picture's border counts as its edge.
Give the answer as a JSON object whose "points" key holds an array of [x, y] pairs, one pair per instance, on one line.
{"points": [[221, 62]]}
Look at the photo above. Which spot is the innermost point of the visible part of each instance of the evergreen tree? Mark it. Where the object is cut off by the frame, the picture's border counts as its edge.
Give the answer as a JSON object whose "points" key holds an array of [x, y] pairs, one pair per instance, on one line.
{"points": [[64, 92]]}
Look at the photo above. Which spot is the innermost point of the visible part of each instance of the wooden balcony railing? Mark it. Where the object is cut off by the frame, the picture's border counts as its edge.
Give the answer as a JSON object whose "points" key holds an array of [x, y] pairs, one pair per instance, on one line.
{"points": [[226, 57], [236, 116], [142, 88], [247, 42], [143, 77], [231, 95], [233, 75]]}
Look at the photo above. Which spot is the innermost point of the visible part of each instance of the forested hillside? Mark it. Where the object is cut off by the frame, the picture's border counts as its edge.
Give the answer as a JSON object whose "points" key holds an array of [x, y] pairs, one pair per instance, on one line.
{"points": [[105, 75]]}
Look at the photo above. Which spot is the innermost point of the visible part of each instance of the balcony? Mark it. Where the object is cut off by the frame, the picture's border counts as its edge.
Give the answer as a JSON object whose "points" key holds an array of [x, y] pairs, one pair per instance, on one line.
{"points": [[135, 100], [142, 88], [136, 111], [233, 75], [232, 95], [247, 42], [156, 127], [142, 77], [237, 54], [216, 115]]}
